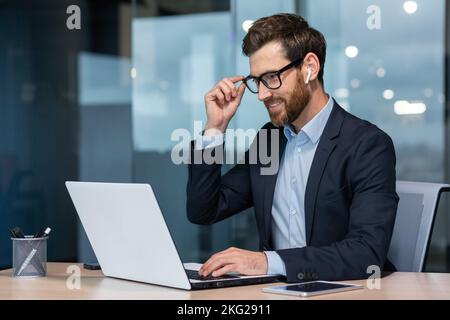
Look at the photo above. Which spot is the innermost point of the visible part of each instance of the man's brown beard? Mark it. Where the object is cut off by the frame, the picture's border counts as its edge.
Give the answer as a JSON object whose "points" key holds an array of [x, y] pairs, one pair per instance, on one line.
{"points": [[297, 102]]}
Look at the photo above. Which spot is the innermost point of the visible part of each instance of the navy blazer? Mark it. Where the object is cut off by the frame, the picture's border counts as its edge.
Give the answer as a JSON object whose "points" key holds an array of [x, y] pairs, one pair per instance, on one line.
{"points": [[350, 199]]}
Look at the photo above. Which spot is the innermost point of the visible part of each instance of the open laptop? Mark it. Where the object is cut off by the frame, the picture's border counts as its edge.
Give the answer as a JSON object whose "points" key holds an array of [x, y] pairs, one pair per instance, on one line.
{"points": [[131, 240]]}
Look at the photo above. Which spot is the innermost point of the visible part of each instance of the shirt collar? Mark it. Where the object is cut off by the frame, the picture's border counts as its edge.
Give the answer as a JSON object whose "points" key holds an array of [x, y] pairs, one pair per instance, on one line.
{"points": [[314, 128]]}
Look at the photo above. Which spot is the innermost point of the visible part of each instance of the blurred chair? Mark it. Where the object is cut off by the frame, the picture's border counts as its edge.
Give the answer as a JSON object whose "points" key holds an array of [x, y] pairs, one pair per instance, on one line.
{"points": [[414, 224]]}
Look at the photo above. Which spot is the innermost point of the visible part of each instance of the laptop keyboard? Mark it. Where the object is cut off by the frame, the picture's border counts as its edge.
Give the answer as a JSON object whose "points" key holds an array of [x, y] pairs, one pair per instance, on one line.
{"points": [[193, 274]]}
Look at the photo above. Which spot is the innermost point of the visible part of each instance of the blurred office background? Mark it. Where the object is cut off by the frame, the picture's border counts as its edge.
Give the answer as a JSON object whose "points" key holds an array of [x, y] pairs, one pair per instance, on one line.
{"points": [[100, 103]]}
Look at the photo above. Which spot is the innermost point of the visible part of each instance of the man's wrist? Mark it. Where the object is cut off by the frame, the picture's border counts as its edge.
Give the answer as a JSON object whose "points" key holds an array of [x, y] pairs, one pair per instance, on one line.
{"points": [[211, 130], [265, 263], [275, 265]]}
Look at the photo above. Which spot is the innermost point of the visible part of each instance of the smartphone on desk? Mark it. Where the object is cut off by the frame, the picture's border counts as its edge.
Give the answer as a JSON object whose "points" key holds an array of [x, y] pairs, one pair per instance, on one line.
{"points": [[312, 288]]}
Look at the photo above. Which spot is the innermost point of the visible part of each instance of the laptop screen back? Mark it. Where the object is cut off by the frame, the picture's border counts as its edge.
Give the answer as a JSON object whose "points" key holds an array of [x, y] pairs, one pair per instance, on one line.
{"points": [[128, 233]]}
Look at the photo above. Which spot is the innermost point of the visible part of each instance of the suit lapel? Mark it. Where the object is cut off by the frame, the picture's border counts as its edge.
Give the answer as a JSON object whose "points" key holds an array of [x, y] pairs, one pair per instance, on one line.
{"points": [[315, 175], [326, 146]]}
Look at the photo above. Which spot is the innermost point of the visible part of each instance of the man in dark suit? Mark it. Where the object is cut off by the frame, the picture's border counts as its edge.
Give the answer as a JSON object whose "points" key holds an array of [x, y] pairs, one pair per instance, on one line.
{"points": [[329, 210]]}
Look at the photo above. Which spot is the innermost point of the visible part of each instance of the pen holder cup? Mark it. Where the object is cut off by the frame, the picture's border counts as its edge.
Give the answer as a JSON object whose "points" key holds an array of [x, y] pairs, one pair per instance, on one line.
{"points": [[29, 257]]}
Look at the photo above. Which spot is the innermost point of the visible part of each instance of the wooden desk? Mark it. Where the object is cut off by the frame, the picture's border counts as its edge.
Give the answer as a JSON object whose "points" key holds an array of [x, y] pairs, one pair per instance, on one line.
{"points": [[399, 285]]}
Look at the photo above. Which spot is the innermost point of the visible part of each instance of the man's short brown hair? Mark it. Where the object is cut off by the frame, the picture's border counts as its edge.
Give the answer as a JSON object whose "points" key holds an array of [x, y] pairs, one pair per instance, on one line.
{"points": [[292, 31]]}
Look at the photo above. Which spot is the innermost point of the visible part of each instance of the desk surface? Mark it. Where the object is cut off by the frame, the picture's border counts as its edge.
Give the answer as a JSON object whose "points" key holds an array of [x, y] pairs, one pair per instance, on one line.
{"points": [[399, 285]]}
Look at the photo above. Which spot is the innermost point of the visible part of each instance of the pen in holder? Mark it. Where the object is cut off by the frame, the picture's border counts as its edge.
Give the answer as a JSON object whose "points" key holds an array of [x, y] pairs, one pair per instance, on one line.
{"points": [[30, 256]]}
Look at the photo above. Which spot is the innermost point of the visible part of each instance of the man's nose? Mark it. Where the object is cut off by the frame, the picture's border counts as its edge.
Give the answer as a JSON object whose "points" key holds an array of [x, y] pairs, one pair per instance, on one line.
{"points": [[263, 92]]}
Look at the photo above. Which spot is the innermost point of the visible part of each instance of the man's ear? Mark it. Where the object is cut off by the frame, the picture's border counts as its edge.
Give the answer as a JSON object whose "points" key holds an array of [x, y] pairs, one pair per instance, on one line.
{"points": [[312, 67]]}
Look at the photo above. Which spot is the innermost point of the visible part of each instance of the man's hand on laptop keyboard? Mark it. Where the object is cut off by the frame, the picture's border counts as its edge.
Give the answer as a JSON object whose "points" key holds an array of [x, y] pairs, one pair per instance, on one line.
{"points": [[235, 260]]}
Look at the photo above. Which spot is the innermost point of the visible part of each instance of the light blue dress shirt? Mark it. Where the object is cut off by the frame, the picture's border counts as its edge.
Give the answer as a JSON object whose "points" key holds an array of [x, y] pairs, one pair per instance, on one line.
{"points": [[288, 209]]}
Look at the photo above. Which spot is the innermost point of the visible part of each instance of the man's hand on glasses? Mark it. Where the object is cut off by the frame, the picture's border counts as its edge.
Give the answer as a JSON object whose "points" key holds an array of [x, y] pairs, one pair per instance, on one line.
{"points": [[221, 104]]}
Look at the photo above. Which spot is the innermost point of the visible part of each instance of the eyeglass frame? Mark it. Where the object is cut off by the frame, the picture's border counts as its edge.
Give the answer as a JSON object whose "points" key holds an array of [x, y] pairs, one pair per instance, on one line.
{"points": [[294, 63]]}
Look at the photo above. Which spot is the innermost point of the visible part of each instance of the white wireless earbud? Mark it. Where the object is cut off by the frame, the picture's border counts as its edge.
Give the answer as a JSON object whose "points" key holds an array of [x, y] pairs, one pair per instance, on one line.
{"points": [[308, 76]]}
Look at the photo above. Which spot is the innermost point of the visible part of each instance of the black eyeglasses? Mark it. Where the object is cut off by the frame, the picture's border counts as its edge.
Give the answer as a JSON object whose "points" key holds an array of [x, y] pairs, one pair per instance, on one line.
{"points": [[271, 80]]}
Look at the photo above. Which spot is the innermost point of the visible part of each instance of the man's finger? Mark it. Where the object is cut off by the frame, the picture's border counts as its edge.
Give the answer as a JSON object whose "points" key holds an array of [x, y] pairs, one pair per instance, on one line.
{"points": [[206, 265], [219, 95], [231, 86], [219, 260], [211, 265], [241, 90], [224, 270], [236, 79], [225, 89], [214, 265]]}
